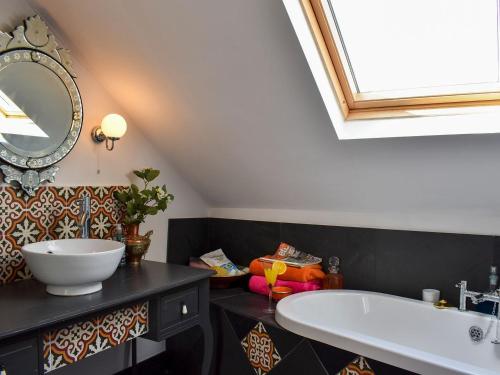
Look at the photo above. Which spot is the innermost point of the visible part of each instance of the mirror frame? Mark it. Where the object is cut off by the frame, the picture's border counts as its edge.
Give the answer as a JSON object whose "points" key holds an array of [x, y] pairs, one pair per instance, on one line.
{"points": [[33, 42]]}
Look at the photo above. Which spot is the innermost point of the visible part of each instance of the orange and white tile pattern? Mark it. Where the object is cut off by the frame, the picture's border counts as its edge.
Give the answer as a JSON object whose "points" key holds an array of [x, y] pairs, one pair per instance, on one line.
{"points": [[64, 346], [359, 366], [52, 213], [260, 350]]}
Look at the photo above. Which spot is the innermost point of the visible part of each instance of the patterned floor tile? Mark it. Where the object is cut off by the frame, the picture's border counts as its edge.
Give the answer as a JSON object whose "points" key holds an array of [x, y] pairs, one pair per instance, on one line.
{"points": [[359, 366], [260, 350]]}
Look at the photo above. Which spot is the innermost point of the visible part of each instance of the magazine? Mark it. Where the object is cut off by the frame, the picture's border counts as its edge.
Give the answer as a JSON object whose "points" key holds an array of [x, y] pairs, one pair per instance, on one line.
{"points": [[292, 257]]}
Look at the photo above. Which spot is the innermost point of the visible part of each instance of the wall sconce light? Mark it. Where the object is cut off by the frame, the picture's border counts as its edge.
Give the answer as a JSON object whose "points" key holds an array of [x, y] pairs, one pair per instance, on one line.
{"points": [[112, 128]]}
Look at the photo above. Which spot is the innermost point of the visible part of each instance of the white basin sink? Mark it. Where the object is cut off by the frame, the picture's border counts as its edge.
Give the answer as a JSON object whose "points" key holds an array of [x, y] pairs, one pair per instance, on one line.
{"points": [[406, 333], [73, 267]]}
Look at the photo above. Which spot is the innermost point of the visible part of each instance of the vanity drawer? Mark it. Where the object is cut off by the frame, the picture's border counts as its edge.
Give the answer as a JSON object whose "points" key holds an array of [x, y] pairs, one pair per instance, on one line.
{"points": [[179, 307], [173, 312], [19, 357]]}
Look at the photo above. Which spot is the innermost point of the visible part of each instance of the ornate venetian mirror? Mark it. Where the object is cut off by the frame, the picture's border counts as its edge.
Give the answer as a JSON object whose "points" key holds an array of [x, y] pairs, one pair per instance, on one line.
{"points": [[40, 106]]}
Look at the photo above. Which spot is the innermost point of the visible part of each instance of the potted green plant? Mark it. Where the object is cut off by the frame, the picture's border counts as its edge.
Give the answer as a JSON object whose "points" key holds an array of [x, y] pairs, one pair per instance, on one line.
{"points": [[138, 204]]}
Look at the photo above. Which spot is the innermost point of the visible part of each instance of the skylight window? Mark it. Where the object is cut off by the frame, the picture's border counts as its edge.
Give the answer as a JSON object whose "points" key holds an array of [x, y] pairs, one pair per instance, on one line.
{"points": [[389, 58]]}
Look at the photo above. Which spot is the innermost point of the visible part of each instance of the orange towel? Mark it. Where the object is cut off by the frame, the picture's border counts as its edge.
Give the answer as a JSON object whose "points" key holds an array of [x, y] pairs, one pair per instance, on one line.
{"points": [[292, 273]]}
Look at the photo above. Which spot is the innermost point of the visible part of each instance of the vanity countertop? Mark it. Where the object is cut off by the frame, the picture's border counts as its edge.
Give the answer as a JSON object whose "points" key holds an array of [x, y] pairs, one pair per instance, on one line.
{"points": [[26, 306]]}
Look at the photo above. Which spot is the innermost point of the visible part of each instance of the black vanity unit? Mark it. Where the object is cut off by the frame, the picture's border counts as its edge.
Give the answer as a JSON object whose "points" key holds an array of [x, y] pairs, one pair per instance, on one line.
{"points": [[178, 298]]}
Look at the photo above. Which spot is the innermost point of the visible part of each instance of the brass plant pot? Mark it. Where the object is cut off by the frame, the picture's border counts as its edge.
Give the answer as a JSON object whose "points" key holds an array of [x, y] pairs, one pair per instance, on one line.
{"points": [[136, 245]]}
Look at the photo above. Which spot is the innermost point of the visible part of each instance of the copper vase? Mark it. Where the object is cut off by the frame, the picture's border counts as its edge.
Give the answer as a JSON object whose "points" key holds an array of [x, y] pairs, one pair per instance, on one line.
{"points": [[136, 246]]}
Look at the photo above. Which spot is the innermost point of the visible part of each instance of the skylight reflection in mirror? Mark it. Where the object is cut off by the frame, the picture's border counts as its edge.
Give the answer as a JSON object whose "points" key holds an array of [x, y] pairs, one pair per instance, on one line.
{"points": [[14, 121]]}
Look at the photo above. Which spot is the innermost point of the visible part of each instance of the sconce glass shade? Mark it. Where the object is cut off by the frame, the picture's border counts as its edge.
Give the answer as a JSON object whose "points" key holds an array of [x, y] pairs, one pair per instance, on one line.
{"points": [[113, 126]]}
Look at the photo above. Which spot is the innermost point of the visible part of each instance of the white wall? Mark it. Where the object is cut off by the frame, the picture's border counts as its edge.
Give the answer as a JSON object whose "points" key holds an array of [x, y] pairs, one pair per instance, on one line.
{"points": [[223, 90], [91, 164]]}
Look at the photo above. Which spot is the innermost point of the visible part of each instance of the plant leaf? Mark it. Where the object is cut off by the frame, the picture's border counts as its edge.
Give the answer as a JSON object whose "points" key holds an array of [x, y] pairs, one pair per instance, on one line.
{"points": [[151, 174], [140, 173], [162, 204]]}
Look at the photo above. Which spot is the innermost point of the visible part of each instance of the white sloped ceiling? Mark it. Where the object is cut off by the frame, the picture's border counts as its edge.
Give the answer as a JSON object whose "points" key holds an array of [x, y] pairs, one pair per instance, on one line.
{"points": [[223, 89]]}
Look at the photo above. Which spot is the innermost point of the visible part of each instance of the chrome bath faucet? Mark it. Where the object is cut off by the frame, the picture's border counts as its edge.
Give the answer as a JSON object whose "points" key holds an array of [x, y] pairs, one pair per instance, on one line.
{"points": [[476, 297], [84, 216]]}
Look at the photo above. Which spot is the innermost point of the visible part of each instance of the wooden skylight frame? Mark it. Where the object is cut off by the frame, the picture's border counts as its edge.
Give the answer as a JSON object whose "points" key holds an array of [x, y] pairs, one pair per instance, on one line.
{"points": [[356, 105]]}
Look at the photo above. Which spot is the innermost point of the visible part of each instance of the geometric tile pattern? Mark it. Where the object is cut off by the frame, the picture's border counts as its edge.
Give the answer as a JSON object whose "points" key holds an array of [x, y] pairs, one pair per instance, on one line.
{"points": [[359, 366], [260, 350], [64, 346], [51, 214], [250, 352]]}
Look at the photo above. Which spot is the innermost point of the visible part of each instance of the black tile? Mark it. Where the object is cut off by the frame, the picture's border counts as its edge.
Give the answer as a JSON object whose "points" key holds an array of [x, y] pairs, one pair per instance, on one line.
{"points": [[381, 368], [388, 261], [243, 240], [241, 324], [408, 262], [496, 253], [216, 294], [185, 352], [186, 237], [333, 359], [302, 360], [268, 320], [230, 357], [153, 365], [247, 304], [354, 246], [284, 340]]}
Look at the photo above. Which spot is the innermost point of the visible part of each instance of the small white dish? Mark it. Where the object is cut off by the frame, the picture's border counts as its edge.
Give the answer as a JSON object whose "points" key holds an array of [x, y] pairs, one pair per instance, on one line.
{"points": [[430, 295]]}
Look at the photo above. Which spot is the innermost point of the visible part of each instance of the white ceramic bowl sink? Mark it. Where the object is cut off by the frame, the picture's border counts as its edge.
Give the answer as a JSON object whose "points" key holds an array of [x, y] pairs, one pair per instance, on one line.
{"points": [[409, 334], [73, 267]]}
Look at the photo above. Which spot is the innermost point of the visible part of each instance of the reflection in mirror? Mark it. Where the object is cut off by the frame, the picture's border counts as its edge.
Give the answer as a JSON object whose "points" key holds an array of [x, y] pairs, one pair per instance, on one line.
{"points": [[40, 105], [36, 110]]}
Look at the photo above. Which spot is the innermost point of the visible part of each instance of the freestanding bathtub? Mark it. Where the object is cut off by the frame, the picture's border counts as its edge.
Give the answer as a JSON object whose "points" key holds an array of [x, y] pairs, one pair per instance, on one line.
{"points": [[405, 333]]}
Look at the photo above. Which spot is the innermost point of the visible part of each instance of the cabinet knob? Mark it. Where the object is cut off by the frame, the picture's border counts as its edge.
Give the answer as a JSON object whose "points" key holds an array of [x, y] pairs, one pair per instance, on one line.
{"points": [[184, 312]]}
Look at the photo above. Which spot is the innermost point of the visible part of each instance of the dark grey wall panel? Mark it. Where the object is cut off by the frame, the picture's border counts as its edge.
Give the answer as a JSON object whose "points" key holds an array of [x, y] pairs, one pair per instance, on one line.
{"points": [[389, 261], [408, 262], [244, 240], [399, 262], [188, 237], [355, 247]]}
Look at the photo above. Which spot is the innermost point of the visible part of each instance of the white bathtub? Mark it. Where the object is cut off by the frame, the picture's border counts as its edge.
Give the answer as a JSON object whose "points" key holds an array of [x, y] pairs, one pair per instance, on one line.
{"points": [[406, 333]]}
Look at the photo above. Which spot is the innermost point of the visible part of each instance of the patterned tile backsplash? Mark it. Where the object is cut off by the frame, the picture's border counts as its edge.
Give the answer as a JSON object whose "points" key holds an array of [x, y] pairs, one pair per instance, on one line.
{"points": [[67, 345], [51, 214]]}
